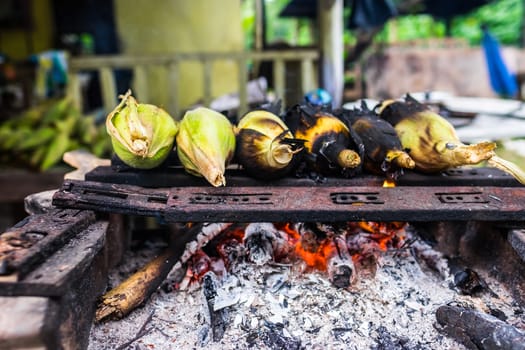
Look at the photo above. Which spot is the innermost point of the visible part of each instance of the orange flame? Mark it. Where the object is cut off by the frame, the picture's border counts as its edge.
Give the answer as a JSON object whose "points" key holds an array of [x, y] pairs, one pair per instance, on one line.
{"points": [[317, 259], [389, 183], [386, 234], [379, 236]]}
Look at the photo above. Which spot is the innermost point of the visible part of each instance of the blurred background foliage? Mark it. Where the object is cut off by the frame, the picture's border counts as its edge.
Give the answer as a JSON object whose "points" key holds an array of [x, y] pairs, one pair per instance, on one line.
{"points": [[504, 19]]}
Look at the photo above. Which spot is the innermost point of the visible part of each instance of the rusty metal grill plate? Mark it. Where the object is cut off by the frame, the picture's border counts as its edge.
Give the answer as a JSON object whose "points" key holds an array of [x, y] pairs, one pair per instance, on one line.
{"points": [[37, 237], [298, 203]]}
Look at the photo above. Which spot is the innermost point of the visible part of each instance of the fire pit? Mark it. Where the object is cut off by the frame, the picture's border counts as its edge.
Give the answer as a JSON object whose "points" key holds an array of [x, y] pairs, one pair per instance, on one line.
{"points": [[452, 277]]}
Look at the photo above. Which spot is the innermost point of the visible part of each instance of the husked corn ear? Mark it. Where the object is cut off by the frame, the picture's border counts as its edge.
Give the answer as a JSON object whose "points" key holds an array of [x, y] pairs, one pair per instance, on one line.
{"points": [[142, 135], [205, 144]]}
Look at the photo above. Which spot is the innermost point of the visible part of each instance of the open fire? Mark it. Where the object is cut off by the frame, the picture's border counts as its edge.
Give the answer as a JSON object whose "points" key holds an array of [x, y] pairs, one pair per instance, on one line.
{"points": [[336, 250]]}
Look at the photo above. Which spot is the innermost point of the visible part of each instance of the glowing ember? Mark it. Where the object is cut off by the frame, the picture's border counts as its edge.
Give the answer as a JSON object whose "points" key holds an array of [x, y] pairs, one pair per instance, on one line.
{"points": [[317, 245]]}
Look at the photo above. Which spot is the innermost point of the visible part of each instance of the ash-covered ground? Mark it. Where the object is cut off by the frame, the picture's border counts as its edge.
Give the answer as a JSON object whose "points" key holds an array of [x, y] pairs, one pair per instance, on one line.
{"points": [[390, 305]]}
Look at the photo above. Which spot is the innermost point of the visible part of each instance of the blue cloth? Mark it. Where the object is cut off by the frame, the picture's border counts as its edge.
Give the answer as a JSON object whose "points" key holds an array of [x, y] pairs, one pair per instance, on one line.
{"points": [[503, 82], [51, 72], [318, 97]]}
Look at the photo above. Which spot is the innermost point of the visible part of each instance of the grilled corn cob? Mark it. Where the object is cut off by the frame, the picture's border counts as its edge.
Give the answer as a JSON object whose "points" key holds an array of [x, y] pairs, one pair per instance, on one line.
{"points": [[433, 142], [384, 154], [331, 146], [265, 147]]}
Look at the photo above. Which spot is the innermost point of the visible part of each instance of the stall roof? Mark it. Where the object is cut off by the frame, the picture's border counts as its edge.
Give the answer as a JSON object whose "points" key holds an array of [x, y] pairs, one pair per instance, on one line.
{"points": [[386, 8]]}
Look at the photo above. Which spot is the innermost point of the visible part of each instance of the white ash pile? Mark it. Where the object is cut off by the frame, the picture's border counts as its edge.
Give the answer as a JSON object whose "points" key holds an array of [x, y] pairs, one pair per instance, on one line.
{"points": [[255, 297]]}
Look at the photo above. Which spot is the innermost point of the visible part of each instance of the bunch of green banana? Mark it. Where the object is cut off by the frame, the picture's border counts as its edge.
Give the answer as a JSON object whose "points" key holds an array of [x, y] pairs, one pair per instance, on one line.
{"points": [[206, 144], [265, 146], [384, 154], [37, 138], [142, 135], [331, 146], [433, 142]]}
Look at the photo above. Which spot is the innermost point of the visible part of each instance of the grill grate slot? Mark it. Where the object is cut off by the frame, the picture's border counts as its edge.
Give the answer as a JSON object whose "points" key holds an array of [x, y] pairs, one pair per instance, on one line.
{"points": [[356, 198], [238, 199], [462, 197]]}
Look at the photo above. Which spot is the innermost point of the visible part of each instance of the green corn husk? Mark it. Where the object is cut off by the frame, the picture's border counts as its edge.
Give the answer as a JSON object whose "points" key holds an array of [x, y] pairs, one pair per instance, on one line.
{"points": [[142, 135], [205, 144]]}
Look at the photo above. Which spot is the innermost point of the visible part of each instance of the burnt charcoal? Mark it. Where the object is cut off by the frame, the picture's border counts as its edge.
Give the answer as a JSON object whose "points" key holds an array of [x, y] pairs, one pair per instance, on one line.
{"points": [[272, 335], [258, 238], [339, 332], [342, 276], [311, 236], [275, 281], [232, 253], [251, 340], [218, 319], [469, 282], [3, 267], [477, 330], [387, 341], [498, 314], [516, 239], [340, 267]]}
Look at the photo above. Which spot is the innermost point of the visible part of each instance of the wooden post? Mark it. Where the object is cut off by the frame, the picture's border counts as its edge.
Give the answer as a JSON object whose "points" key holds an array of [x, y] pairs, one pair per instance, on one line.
{"points": [[206, 81], [331, 33], [279, 79], [307, 75], [74, 90], [108, 88], [243, 81], [173, 89], [140, 84]]}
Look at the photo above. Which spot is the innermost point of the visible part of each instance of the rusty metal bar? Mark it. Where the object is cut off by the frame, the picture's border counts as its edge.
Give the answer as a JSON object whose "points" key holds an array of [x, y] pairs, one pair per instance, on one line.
{"points": [[299, 203]]}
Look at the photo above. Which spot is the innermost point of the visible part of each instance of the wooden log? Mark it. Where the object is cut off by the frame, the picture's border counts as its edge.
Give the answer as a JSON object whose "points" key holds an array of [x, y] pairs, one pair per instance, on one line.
{"points": [[137, 288], [477, 330]]}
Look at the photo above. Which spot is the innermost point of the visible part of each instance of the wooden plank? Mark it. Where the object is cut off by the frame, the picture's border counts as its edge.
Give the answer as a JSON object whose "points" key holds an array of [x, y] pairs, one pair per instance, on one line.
{"points": [[37, 237], [129, 61], [56, 274], [55, 306]]}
